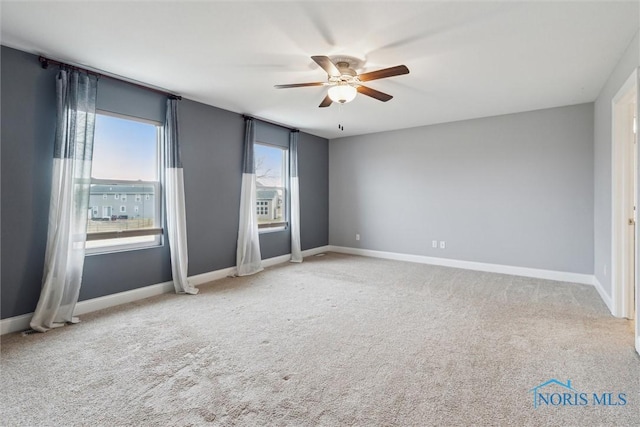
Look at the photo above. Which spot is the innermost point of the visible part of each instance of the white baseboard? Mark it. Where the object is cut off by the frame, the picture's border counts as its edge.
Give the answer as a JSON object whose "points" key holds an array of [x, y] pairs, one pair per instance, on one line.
{"points": [[270, 262], [15, 324], [316, 251], [21, 323], [605, 297], [561, 276], [95, 304], [201, 279]]}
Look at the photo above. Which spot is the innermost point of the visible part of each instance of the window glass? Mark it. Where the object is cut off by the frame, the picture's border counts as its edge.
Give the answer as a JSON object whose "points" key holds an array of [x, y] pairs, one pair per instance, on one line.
{"points": [[125, 165], [271, 185], [125, 149]]}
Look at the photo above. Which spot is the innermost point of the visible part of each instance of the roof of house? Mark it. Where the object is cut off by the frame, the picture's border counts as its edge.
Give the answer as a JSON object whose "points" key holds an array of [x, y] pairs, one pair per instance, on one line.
{"points": [[266, 194], [122, 189]]}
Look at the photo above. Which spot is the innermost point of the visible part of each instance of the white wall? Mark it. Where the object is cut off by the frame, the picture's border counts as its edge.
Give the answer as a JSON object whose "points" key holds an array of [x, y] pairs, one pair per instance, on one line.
{"points": [[602, 163], [514, 190]]}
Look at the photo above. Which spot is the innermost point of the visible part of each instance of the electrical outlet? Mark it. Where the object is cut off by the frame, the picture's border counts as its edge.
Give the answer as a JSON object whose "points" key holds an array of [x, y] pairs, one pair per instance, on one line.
{"points": [[357, 236], [434, 244], [443, 244]]}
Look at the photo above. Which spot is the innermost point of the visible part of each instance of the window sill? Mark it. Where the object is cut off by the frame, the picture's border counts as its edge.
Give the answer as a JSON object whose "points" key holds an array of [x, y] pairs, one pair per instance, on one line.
{"points": [[124, 234], [123, 241], [273, 227], [105, 250]]}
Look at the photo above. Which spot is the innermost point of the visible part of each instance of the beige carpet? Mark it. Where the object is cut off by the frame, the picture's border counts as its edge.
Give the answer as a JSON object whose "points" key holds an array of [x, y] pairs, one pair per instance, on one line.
{"points": [[338, 340]]}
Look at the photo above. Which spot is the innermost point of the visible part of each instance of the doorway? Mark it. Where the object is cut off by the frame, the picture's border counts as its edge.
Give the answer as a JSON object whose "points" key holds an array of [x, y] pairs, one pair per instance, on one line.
{"points": [[624, 278], [107, 212]]}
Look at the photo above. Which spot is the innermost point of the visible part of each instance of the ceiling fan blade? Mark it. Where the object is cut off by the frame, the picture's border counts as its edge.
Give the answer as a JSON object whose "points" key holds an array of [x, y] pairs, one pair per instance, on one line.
{"points": [[327, 65], [325, 102], [384, 73], [299, 85], [380, 96]]}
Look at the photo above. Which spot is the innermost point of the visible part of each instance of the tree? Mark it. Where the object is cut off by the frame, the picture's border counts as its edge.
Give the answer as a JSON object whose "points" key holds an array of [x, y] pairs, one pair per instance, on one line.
{"points": [[261, 171]]}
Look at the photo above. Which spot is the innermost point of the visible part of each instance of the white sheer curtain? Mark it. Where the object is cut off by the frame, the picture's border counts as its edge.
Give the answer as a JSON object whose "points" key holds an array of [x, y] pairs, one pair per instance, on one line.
{"points": [[296, 253], [68, 209], [248, 258], [174, 200]]}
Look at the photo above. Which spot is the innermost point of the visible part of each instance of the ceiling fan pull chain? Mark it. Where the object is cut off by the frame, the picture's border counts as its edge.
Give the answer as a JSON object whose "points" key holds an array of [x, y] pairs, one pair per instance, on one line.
{"points": [[340, 107]]}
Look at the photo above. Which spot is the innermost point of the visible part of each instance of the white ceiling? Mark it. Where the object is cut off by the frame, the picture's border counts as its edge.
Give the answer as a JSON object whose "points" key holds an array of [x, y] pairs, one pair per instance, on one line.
{"points": [[467, 59]]}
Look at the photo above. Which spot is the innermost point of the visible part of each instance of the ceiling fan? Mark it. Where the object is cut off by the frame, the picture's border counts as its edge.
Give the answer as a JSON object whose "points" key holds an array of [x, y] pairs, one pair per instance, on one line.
{"points": [[344, 82]]}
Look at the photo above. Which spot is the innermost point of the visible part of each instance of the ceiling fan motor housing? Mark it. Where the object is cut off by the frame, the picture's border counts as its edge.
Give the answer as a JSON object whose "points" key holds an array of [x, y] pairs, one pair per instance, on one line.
{"points": [[345, 69]]}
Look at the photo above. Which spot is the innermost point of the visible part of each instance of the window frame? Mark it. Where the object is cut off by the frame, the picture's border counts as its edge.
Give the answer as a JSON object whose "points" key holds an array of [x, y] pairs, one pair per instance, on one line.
{"points": [[278, 226], [157, 230]]}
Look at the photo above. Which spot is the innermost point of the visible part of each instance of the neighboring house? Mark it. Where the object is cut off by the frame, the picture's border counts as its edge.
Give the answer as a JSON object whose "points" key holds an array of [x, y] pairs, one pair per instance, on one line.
{"points": [[268, 204], [131, 201]]}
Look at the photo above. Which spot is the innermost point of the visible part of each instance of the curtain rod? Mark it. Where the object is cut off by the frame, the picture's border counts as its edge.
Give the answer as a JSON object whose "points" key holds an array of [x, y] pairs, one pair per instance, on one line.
{"points": [[45, 62], [246, 117]]}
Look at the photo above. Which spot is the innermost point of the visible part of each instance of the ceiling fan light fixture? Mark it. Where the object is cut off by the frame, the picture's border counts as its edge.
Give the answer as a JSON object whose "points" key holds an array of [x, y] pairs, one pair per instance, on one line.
{"points": [[342, 93]]}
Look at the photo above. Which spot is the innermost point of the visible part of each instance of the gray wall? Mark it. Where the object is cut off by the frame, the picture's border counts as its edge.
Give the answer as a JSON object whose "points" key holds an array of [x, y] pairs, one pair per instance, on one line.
{"points": [[602, 162], [313, 153], [211, 141], [28, 122], [514, 190]]}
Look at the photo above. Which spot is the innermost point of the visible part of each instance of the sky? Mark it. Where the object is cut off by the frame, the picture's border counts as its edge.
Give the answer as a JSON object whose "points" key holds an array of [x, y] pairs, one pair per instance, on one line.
{"points": [[268, 158], [124, 150]]}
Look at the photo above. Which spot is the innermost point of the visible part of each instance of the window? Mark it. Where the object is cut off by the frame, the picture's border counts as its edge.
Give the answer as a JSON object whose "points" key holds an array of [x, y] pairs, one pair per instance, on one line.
{"points": [[271, 163], [262, 209], [126, 160]]}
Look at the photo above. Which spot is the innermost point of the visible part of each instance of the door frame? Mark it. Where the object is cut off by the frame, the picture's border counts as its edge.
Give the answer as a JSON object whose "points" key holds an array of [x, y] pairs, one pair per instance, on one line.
{"points": [[622, 265]]}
